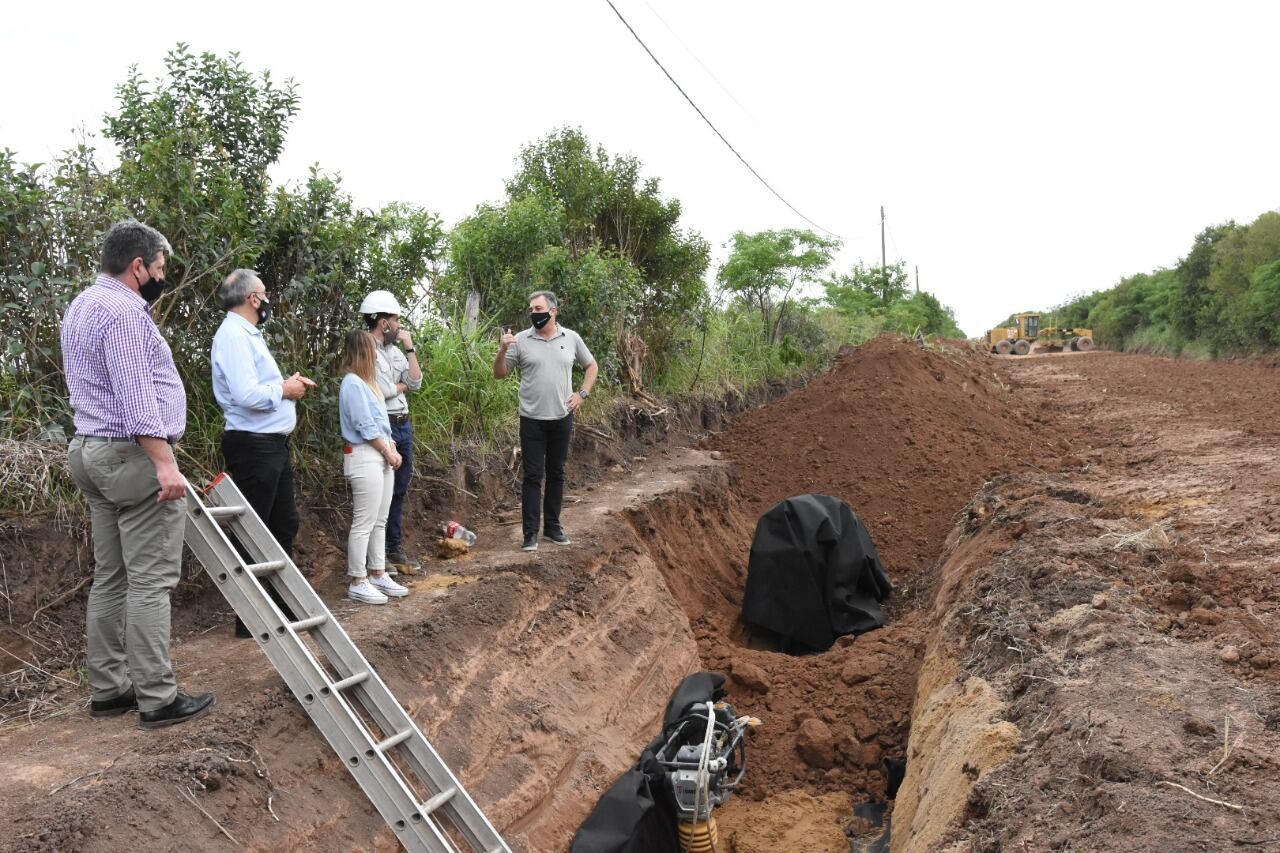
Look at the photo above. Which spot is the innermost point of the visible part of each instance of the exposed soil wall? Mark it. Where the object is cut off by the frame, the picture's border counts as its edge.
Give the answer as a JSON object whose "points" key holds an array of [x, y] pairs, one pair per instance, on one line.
{"points": [[1105, 659], [1081, 654]]}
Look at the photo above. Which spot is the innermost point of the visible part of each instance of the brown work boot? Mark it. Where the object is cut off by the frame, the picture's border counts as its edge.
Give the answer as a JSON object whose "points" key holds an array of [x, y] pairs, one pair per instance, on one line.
{"points": [[403, 565]]}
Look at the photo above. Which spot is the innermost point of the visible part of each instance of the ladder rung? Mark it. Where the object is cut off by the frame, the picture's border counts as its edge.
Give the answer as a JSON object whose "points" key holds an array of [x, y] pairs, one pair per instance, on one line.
{"points": [[225, 511], [309, 623], [397, 738], [437, 801], [358, 678], [260, 569]]}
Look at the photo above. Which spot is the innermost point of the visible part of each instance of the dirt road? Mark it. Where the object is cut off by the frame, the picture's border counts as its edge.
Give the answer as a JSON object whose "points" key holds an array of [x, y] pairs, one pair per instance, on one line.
{"points": [[1082, 652], [1124, 609]]}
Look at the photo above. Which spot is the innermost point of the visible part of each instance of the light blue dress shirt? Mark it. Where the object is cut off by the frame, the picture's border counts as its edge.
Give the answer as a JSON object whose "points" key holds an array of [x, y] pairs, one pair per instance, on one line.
{"points": [[362, 414], [246, 381]]}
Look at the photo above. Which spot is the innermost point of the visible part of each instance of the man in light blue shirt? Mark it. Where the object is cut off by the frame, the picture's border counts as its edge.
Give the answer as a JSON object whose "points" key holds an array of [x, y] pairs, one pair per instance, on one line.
{"points": [[259, 406]]}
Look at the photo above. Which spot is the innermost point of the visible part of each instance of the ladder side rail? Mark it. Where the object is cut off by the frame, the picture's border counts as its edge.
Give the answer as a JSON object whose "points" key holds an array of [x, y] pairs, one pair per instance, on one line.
{"points": [[375, 697], [346, 736], [252, 533]]}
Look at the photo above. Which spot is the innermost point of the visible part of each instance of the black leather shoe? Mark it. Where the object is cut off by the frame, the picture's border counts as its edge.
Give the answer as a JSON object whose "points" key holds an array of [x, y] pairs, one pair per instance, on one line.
{"points": [[122, 704], [530, 543], [558, 537], [242, 631], [181, 709]]}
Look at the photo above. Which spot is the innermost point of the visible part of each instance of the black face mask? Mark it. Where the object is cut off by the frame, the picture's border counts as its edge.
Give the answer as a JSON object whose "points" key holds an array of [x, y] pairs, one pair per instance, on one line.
{"points": [[264, 310], [152, 289], [539, 318]]}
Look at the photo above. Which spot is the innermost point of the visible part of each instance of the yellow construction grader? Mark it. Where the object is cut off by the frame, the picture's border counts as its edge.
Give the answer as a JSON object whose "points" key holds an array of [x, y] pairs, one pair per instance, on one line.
{"points": [[1020, 339]]}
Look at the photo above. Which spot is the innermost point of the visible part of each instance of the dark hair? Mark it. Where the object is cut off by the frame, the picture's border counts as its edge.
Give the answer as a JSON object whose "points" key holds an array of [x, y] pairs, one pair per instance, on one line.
{"points": [[371, 320], [129, 239]]}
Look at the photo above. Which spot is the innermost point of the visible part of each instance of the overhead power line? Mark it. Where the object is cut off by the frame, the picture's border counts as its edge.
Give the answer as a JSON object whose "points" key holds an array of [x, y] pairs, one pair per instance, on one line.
{"points": [[703, 116], [701, 64]]}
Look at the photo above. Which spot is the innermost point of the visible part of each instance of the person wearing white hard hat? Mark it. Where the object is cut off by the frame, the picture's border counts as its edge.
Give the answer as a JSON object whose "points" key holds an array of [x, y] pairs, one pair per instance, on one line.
{"points": [[398, 373]]}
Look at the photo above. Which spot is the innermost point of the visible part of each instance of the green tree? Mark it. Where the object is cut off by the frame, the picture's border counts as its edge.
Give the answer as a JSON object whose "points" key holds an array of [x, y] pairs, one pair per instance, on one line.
{"points": [[195, 149], [868, 288], [588, 226], [764, 268], [923, 312]]}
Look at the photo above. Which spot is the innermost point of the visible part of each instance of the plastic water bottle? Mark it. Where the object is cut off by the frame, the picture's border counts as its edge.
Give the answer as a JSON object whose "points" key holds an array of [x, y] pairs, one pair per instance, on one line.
{"points": [[454, 530]]}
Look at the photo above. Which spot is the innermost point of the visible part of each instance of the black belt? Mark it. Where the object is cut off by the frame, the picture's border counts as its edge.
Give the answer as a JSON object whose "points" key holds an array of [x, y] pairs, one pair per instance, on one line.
{"points": [[399, 420], [275, 437]]}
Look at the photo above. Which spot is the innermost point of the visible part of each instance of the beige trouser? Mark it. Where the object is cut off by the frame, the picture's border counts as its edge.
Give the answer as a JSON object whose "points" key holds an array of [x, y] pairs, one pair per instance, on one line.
{"points": [[371, 481], [137, 552]]}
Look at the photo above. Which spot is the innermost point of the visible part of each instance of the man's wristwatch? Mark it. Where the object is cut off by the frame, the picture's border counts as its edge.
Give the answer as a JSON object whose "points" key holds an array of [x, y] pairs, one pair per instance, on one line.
{"points": [[584, 393], [408, 351]]}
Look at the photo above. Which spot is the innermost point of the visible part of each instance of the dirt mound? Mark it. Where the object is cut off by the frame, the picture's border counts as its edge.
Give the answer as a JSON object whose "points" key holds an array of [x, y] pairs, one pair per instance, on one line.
{"points": [[903, 435]]}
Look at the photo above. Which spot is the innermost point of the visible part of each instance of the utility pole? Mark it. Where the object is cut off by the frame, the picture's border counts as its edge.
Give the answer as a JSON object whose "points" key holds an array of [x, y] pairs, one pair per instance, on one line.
{"points": [[883, 264], [917, 278]]}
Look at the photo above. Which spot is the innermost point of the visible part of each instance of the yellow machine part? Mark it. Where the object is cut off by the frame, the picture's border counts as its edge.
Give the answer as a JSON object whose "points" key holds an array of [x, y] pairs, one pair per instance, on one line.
{"points": [[995, 336], [699, 836]]}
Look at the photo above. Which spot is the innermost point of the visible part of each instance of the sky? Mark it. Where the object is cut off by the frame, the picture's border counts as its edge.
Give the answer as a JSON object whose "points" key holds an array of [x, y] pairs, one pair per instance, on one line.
{"points": [[1023, 152]]}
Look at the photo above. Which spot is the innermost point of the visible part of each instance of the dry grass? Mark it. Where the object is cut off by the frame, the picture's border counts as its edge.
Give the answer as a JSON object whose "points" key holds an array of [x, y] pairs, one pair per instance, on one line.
{"points": [[1154, 538], [44, 685], [34, 480]]}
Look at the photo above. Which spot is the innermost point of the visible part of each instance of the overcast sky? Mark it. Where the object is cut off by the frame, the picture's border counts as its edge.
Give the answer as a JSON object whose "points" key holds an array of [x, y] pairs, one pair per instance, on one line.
{"points": [[1024, 152]]}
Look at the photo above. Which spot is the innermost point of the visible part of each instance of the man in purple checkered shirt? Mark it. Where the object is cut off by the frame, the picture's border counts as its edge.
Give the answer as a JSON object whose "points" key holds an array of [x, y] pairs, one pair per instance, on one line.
{"points": [[130, 409]]}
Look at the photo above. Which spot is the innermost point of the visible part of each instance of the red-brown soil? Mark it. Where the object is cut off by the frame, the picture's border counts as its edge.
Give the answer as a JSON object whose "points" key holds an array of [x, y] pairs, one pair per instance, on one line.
{"points": [[1123, 614], [1087, 599]]}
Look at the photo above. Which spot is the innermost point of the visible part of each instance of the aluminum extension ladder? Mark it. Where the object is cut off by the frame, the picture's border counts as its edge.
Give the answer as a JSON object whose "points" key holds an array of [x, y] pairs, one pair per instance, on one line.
{"points": [[395, 765]]}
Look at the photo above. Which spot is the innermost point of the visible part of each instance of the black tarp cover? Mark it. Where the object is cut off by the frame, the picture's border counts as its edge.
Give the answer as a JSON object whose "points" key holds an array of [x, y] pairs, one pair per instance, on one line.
{"points": [[813, 574], [636, 814]]}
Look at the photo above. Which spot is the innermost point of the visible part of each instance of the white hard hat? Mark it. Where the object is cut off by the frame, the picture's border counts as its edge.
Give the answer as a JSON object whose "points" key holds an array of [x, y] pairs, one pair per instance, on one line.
{"points": [[380, 302]]}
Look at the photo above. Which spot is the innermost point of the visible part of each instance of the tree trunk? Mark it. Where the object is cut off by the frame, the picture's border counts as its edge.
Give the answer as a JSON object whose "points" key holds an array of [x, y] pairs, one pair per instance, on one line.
{"points": [[472, 319], [632, 351]]}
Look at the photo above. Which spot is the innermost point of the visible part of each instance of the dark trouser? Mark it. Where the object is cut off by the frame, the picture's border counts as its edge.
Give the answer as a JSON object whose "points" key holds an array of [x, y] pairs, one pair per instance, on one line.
{"points": [[545, 447], [403, 436], [259, 464]]}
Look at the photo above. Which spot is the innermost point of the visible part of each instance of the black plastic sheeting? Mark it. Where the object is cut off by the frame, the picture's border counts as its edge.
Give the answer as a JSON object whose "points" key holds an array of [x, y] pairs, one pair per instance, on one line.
{"points": [[636, 814], [814, 574]]}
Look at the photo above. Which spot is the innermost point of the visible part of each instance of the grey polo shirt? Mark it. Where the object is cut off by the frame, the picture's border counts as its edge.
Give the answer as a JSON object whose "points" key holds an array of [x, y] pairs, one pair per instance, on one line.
{"points": [[546, 371], [393, 366]]}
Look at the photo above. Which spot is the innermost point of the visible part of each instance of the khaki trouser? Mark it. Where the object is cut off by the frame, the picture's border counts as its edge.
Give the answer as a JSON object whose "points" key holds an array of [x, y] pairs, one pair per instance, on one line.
{"points": [[372, 480], [137, 551]]}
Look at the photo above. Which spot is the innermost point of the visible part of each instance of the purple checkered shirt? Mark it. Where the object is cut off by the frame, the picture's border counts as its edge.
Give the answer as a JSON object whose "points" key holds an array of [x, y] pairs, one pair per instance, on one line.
{"points": [[119, 367]]}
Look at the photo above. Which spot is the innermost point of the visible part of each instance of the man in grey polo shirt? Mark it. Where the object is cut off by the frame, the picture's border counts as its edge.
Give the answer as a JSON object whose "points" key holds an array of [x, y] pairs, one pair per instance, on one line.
{"points": [[544, 354]]}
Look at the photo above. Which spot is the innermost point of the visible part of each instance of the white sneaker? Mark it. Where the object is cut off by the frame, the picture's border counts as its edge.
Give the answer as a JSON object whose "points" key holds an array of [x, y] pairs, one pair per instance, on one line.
{"points": [[365, 593], [387, 586]]}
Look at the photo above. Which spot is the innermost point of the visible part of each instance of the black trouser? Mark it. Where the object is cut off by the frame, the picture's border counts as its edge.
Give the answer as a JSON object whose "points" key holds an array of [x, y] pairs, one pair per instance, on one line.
{"points": [[402, 434], [545, 447], [259, 464]]}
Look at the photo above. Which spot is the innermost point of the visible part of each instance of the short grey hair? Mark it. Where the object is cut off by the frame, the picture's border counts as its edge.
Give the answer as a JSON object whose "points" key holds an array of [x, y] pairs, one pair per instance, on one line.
{"points": [[129, 239], [236, 289], [546, 294]]}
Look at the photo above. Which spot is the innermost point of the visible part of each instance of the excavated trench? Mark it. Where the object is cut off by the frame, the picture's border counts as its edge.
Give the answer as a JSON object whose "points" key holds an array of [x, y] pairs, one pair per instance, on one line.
{"points": [[540, 677], [834, 724]]}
